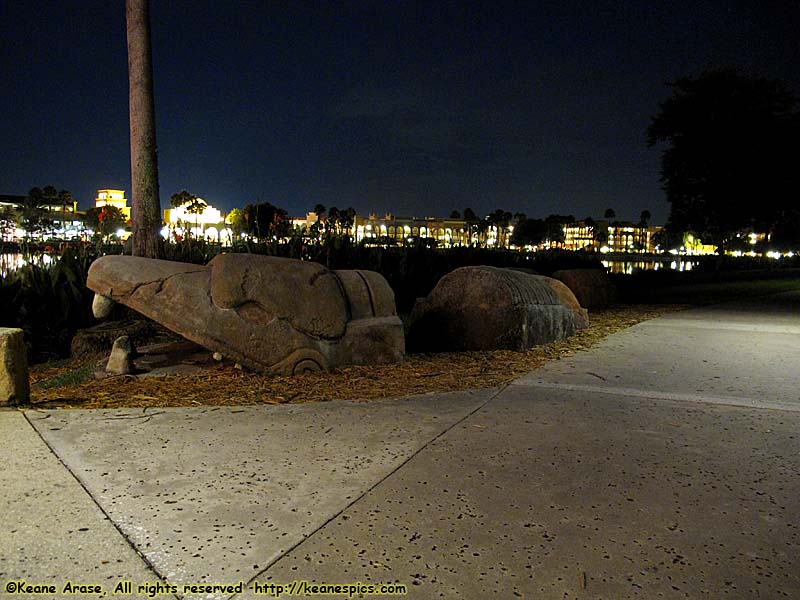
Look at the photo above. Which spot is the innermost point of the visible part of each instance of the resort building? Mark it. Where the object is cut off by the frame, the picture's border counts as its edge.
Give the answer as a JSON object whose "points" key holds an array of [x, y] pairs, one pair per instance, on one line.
{"points": [[445, 232], [580, 236], [627, 237], [610, 237], [115, 198], [208, 223], [392, 229], [9, 229], [64, 221], [300, 223]]}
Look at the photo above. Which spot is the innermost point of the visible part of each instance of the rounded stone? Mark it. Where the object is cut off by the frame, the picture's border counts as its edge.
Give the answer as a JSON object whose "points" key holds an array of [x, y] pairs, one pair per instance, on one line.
{"points": [[487, 308]]}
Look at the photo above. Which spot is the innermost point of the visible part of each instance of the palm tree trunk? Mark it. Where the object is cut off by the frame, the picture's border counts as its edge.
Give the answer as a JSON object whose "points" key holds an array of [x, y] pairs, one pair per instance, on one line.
{"points": [[145, 203]]}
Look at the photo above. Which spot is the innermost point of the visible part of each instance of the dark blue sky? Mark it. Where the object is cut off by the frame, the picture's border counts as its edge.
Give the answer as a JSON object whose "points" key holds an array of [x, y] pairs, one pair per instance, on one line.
{"points": [[414, 108]]}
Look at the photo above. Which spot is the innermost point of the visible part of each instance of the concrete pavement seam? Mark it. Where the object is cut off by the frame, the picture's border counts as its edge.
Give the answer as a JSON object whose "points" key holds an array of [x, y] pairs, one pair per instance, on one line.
{"points": [[376, 484], [147, 562], [654, 395], [683, 323]]}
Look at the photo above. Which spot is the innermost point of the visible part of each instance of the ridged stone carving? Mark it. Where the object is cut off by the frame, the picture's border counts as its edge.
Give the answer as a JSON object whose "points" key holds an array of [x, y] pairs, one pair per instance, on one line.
{"points": [[487, 308]]}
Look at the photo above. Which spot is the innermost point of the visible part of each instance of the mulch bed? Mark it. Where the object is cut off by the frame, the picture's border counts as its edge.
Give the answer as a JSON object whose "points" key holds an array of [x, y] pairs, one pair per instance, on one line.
{"points": [[69, 385]]}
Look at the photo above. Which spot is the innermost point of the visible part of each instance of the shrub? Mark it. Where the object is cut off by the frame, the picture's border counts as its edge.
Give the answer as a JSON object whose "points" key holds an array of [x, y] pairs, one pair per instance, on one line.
{"points": [[48, 302]]}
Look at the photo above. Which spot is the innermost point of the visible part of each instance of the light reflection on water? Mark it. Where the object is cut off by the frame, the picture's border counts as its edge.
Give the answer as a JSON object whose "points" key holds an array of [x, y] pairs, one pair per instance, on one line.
{"points": [[12, 262], [628, 267]]}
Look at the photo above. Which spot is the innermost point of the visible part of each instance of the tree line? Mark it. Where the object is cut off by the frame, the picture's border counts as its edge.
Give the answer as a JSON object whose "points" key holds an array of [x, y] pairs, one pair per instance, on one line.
{"points": [[265, 221], [730, 157]]}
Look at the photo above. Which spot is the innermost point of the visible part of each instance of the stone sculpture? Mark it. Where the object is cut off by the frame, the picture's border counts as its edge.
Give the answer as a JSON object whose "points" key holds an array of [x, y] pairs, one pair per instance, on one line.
{"points": [[487, 308], [272, 315], [591, 287]]}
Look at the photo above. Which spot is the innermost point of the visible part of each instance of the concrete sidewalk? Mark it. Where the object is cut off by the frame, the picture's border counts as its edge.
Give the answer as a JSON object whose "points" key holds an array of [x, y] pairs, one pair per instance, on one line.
{"points": [[662, 463]]}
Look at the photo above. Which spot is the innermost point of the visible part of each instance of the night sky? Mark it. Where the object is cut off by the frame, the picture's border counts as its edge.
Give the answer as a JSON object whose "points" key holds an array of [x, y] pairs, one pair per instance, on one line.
{"points": [[389, 106]]}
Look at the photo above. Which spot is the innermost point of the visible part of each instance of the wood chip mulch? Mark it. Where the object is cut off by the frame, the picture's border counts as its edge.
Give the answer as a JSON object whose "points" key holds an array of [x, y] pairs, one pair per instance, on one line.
{"points": [[223, 384]]}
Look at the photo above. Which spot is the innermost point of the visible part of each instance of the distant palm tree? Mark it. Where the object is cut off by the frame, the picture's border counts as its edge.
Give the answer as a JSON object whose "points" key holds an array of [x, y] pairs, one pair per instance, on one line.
{"points": [[500, 219], [66, 200], [599, 232], [145, 204], [33, 210]]}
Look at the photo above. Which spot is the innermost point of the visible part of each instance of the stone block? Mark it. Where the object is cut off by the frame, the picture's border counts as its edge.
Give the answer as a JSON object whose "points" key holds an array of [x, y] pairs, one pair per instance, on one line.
{"points": [[14, 381], [121, 360]]}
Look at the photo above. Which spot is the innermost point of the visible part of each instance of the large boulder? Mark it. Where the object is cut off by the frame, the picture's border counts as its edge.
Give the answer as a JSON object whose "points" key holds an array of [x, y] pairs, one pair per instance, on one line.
{"points": [[14, 381], [273, 315], [591, 287], [487, 308]]}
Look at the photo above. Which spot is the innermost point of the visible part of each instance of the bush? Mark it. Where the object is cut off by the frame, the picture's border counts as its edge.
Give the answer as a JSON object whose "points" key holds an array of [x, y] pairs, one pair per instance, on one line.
{"points": [[49, 303]]}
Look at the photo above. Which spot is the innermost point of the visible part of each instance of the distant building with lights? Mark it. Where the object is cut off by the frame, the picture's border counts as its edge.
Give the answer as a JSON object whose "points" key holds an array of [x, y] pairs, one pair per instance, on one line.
{"points": [[610, 237], [580, 236], [446, 232], [9, 230], [628, 237], [209, 223], [115, 198], [66, 220], [393, 230]]}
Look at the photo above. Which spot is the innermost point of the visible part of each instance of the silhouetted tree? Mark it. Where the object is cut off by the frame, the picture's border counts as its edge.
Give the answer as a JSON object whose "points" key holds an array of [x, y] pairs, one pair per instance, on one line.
{"points": [[105, 220], [644, 218], [265, 221], [731, 153], [667, 239], [785, 234], [65, 200], [609, 214], [535, 232], [347, 218], [34, 211], [555, 227], [455, 215], [529, 232], [235, 220], [599, 231], [193, 204], [500, 219]]}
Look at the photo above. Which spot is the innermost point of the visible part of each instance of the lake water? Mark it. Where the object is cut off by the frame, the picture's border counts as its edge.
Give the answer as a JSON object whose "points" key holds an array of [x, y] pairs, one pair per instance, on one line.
{"points": [[629, 266], [11, 262]]}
